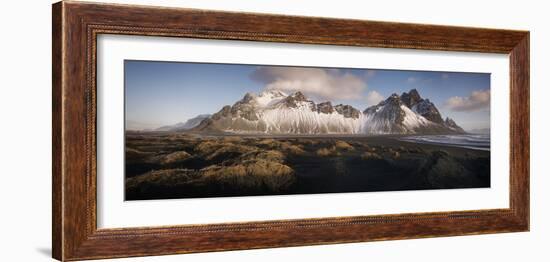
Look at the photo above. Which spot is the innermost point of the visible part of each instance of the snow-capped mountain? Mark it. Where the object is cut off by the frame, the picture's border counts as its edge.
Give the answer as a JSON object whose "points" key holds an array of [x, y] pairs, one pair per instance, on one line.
{"points": [[392, 116], [274, 112], [407, 114], [192, 122]]}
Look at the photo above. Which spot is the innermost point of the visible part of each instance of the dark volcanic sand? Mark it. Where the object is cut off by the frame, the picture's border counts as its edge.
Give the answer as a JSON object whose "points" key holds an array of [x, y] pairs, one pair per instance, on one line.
{"points": [[177, 165]]}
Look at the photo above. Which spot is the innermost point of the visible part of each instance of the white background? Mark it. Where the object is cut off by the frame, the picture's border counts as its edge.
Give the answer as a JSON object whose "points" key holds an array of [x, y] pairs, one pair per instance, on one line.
{"points": [[113, 212], [25, 145]]}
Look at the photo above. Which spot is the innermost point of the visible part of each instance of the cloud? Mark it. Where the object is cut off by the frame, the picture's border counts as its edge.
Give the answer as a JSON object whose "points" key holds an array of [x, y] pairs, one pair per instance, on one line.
{"points": [[370, 73], [477, 100], [373, 98], [317, 82], [415, 80]]}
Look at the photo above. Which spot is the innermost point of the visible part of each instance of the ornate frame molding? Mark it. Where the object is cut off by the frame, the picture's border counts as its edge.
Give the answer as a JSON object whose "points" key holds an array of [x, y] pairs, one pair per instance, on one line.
{"points": [[76, 26]]}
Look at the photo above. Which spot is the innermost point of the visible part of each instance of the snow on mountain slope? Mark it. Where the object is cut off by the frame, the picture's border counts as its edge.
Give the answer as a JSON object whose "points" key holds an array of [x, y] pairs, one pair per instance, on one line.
{"points": [[412, 120], [274, 112], [269, 97], [421, 106], [302, 120]]}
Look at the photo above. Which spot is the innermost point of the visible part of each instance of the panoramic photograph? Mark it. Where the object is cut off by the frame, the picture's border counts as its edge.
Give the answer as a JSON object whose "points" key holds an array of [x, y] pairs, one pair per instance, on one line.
{"points": [[199, 130]]}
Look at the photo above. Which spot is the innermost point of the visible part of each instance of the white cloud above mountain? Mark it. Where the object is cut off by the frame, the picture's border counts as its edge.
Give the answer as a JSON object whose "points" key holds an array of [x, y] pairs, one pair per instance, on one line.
{"points": [[478, 100], [370, 74], [373, 98], [317, 82]]}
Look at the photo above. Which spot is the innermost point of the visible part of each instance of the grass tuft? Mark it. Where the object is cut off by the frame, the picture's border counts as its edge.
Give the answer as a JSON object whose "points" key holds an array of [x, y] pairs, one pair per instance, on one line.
{"points": [[342, 145]]}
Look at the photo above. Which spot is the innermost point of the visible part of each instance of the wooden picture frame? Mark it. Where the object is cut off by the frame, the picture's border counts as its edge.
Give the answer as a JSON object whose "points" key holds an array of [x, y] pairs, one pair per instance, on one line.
{"points": [[76, 26]]}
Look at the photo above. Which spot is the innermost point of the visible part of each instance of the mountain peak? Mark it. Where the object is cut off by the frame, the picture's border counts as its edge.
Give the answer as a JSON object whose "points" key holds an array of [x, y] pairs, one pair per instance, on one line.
{"points": [[273, 93], [411, 98], [299, 96], [452, 124], [248, 97], [298, 100], [394, 99], [348, 111], [325, 107], [422, 106], [414, 92]]}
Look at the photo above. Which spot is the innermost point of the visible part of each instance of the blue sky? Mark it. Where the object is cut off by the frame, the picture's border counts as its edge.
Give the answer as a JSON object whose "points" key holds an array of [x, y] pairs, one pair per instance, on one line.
{"points": [[162, 93]]}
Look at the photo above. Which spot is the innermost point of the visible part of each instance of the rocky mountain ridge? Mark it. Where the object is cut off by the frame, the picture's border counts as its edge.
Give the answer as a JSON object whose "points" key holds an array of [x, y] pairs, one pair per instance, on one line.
{"points": [[275, 112]]}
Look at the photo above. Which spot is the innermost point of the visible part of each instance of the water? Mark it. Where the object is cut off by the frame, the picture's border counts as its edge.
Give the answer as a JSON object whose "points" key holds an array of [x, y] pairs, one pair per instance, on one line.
{"points": [[471, 141]]}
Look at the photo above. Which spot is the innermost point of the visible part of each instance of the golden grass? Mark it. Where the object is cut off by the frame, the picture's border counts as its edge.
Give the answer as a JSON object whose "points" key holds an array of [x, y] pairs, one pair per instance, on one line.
{"points": [[310, 142], [206, 147], [136, 155], [271, 155], [285, 146], [395, 155], [292, 149], [324, 152], [342, 145], [174, 157], [233, 139], [172, 177], [269, 142], [131, 153], [370, 155], [251, 174], [226, 149]]}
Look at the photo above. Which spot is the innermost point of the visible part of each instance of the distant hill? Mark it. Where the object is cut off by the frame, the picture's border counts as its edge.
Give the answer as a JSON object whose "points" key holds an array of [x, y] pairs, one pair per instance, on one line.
{"points": [[189, 124], [139, 126]]}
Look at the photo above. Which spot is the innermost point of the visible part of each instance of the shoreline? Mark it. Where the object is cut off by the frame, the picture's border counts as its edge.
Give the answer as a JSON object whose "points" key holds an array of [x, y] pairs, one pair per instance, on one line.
{"points": [[374, 138], [264, 135]]}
